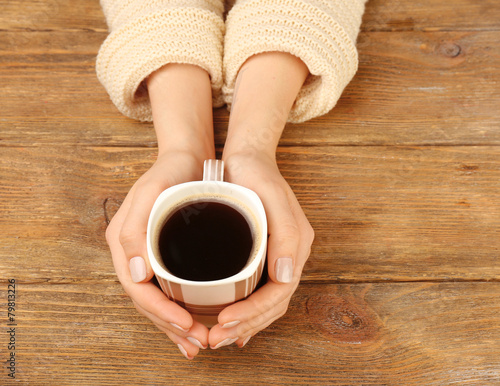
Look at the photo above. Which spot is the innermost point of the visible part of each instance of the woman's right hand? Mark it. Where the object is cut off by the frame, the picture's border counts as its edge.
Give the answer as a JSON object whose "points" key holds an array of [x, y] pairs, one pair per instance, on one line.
{"points": [[126, 236]]}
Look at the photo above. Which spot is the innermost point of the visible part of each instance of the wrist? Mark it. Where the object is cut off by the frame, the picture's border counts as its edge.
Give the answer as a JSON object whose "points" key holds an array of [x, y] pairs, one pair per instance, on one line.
{"points": [[245, 157], [264, 93], [252, 143], [186, 138], [181, 103]]}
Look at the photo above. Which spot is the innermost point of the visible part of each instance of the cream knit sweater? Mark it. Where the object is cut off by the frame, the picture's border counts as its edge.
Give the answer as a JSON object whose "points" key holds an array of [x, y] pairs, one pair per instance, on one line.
{"points": [[147, 34]]}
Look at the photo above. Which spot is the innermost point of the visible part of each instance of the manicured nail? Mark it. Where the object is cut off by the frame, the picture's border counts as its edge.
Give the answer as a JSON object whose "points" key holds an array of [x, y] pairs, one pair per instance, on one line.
{"points": [[183, 351], [196, 342], [137, 269], [225, 342], [245, 341], [284, 269], [231, 324], [179, 327]]}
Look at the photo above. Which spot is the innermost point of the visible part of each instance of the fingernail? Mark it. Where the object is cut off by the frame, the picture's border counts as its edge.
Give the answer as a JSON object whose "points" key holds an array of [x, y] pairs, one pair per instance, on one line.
{"points": [[231, 324], [196, 342], [245, 341], [225, 342], [137, 269], [183, 351], [179, 327], [284, 269]]}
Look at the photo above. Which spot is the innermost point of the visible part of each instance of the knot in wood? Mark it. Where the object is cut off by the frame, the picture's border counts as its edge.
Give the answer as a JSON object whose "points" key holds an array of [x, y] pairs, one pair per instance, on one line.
{"points": [[343, 319], [110, 206], [448, 49]]}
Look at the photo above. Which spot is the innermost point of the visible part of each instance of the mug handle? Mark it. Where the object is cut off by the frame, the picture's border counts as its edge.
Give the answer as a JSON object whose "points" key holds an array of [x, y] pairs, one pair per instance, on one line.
{"points": [[213, 170]]}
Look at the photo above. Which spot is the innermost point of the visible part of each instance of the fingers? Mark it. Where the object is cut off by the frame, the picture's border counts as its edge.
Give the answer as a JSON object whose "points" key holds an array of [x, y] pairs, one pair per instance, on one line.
{"points": [[112, 238], [189, 343], [155, 302], [133, 231], [284, 233], [150, 297], [150, 301], [289, 245], [253, 310], [283, 228], [244, 319], [126, 237]]}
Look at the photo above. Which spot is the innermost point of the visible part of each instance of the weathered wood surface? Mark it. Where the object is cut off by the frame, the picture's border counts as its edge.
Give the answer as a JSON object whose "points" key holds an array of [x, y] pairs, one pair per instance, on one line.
{"points": [[431, 15], [412, 88], [380, 213], [381, 15], [406, 333], [401, 182], [429, 84]]}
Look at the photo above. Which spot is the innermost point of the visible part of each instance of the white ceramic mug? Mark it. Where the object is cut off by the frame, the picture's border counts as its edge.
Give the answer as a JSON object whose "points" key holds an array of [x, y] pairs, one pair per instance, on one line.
{"points": [[206, 299]]}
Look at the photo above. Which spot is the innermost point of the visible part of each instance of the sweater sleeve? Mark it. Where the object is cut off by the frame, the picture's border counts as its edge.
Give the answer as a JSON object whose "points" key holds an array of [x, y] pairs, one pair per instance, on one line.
{"points": [[147, 34], [322, 33]]}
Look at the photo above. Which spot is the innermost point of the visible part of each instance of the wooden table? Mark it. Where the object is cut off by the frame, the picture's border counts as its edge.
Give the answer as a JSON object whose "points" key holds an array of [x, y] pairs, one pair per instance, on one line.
{"points": [[401, 182]]}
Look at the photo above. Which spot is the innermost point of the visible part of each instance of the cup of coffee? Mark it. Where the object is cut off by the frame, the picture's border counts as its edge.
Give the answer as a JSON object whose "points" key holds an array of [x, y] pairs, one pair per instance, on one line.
{"points": [[207, 243]]}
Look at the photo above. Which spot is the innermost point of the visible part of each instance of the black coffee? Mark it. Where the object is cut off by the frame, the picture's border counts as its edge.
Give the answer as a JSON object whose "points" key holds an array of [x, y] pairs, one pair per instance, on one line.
{"points": [[205, 241]]}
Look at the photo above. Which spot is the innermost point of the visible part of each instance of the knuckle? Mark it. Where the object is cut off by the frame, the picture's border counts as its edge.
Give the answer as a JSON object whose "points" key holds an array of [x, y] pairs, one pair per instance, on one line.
{"points": [[309, 234], [127, 236], [112, 231], [143, 183], [281, 313], [255, 322], [291, 229], [109, 233], [275, 188], [259, 306], [288, 232]]}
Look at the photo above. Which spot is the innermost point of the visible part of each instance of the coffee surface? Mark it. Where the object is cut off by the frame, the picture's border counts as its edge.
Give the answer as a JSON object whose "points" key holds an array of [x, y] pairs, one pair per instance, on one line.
{"points": [[205, 241]]}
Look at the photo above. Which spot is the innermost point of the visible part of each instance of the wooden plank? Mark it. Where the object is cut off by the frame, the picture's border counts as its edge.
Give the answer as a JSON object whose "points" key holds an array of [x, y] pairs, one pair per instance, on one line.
{"points": [[51, 15], [412, 88], [381, 15], [392, 213], [387, 214], [410, 334], [420, 88], [430, 15], [380, 213]]}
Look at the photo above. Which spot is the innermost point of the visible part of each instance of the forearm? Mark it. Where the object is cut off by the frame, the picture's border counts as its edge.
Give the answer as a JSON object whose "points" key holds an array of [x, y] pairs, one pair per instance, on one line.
{"points": [[181, 102], [265, 91]]}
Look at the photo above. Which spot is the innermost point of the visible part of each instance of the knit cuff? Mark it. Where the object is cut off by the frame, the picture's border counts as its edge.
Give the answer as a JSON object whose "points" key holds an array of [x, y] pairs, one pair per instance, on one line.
{"points": [[138, 48], [304, 30]]}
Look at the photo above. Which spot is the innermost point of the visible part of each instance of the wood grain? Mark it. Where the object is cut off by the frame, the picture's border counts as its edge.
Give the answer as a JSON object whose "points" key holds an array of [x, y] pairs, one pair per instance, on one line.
{"points": [[411, 89], [19, 15], [410, 334], [380, 15], [429, 15], [401, 181], [380, 213]]}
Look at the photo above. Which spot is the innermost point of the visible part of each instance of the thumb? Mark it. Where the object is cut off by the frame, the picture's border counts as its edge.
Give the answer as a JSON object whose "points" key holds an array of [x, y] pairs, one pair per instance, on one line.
{"points": [[134, 231], [283, 240]]}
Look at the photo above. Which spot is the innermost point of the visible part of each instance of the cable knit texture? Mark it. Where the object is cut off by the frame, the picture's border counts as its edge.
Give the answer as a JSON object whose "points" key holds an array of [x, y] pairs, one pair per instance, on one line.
{"points": [[322, 33], [146, 34]]}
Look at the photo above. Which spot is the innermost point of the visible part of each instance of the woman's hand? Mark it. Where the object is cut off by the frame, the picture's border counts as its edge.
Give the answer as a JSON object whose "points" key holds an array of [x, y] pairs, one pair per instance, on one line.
{"points": [[266, 87], [289, 244], [181, 101], [126, 236]]}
